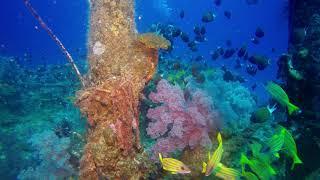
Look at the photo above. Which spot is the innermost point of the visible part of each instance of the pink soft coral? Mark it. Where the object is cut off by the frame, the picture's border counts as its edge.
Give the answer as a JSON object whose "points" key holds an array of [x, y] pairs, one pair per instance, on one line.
{"points": [[177, 122]]}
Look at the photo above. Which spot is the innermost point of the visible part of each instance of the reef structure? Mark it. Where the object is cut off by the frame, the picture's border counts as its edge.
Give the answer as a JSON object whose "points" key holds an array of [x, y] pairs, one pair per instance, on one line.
{"points": [[300, 72], [121, 62]]}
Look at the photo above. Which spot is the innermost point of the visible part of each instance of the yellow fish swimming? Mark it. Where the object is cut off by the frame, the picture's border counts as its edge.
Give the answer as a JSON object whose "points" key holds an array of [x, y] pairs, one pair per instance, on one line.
{"points": [[285, 142], [214, 166], [281, 97], [174, 166]]}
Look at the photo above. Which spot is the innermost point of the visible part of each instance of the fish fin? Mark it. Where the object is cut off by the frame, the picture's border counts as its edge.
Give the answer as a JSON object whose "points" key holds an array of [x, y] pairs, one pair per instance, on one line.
{"points": [[292, 108], [209, 155], [204, 167], [249, 176], [219, 138], [255, 148], [272, 109], [173, 172], [296, 160], [227, 173], [244, 159], [160, 158], [217, 155], [276, 143]]}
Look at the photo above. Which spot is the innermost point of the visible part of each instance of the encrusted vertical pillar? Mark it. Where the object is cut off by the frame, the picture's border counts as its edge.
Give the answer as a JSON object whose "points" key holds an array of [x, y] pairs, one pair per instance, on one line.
{"points": [[305, 91], [305, 50], [119, 68]]}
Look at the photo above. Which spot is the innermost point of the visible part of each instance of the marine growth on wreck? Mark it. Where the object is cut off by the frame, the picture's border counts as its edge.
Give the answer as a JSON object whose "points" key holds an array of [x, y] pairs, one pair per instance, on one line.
{"points": [[158, 89]]}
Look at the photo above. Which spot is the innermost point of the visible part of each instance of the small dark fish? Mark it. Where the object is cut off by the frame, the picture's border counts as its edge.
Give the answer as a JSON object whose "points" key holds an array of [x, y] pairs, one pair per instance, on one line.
{"points": [[254, 86], [193, 46], [255, 40], [259, 32], [184, 37], [273, 50], [208, 17], [252, 2], [217, 2], [229, 53], [220, 50], [238, 64], [246, 56], [261, 61], [215, 55], [175, 32], [199, 58], [251, 69], [200, 38], [242, 51], [227, 14], [229, 76], [197, 30], [181, 14], [203, 30], [229, 43]]}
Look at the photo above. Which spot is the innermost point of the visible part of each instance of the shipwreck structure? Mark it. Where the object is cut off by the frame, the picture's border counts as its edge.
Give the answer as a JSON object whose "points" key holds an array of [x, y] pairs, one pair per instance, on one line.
{"points": [[302, 80], [121, 62]]}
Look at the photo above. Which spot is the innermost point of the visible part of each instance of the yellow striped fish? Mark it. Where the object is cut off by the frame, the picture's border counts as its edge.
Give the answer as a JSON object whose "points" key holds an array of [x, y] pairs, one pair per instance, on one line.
{"points": [[290, 147], [214, 166], [284, 141], [174, 166], [226, 173], [214, 160], [281, 97], [276, 143], [261, 168]]}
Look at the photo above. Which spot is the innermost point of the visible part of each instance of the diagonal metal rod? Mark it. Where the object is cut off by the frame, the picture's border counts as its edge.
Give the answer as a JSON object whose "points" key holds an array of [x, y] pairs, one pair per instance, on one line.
{"points": [[55, 39]]}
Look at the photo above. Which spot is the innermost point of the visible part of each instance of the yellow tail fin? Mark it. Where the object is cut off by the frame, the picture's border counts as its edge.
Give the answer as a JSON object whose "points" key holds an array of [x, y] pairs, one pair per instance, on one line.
{"points": [[204, 167], [296, 160], [219, 138], [292, 108], [160, 157]]}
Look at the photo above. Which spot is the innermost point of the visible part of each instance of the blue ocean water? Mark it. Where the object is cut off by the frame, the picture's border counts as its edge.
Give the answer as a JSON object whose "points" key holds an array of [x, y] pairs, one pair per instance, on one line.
{"points": [[271, 16], [22, 38]]}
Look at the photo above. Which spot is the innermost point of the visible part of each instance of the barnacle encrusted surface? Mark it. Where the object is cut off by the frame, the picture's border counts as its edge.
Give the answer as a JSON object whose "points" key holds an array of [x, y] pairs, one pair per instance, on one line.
{"points": [[119, 67]]}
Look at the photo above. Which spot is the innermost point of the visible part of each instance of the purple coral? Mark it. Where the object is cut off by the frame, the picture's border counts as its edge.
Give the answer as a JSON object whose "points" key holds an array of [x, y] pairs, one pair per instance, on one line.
{"points": [[177, 122]]}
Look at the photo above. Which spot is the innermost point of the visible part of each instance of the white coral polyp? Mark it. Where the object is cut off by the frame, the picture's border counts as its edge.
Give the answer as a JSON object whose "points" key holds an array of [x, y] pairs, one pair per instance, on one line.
{"points": [[98, 48]]}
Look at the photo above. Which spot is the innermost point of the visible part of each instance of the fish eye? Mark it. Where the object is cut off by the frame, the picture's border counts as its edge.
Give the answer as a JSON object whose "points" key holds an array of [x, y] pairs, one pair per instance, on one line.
{"points": [[182, 168]]}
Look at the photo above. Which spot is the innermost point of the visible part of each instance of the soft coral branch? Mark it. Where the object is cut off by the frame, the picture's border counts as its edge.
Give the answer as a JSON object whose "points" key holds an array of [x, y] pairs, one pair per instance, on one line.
{"points": [[177, 122]]}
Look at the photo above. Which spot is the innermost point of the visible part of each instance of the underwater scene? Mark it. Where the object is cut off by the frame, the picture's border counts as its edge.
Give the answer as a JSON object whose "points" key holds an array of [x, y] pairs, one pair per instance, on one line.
{"points": [[160, 89]]}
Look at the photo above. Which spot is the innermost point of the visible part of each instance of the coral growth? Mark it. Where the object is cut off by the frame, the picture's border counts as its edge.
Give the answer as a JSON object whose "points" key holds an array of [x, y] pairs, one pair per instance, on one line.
{"points": [[40, 101], [53, 155], [180, 121], [104, 159], [233, 101], [117, 108], [194, 158], [154, 41]]}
